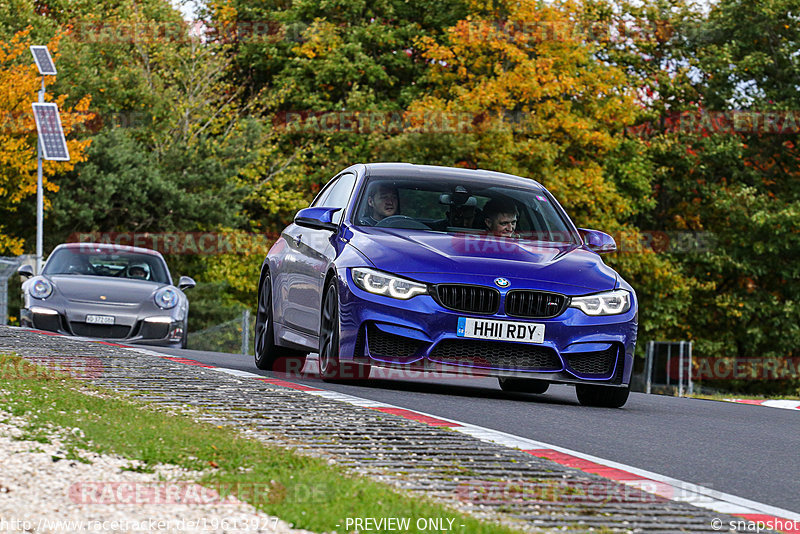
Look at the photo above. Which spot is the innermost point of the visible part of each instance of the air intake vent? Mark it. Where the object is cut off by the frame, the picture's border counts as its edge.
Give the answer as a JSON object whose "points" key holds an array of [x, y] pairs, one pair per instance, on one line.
{"points": [[538, 304], [594, 364], [391, 345], [496, 355], [469, 299], [100, 330]]}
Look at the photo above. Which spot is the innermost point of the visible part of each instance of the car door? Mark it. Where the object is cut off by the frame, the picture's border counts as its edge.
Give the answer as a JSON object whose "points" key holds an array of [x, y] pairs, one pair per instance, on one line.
{"points": [[312, 251]]}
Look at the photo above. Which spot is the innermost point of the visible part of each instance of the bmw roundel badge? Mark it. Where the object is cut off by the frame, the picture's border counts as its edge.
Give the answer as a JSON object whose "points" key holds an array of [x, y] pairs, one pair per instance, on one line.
{"points": [[502, 282]]}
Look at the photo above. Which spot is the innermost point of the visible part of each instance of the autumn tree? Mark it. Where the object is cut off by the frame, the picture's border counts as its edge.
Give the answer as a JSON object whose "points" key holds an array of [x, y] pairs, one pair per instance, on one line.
{"points": [[312, 57], [542, 106], [718, 127], [19, 84]]}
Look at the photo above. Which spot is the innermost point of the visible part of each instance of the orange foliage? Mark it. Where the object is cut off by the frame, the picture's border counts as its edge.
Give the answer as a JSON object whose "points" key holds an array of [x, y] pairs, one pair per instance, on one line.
{"points": [[19, 86]]}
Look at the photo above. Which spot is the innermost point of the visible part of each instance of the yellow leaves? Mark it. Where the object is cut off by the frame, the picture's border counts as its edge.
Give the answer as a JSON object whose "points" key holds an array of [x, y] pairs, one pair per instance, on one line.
{"points": [[19, 84], [321, 38]]}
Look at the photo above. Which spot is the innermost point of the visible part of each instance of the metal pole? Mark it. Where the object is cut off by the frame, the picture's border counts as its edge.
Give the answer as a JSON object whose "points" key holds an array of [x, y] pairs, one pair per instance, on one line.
{"points": [[680, 369], [649, 366], [245, 332], [691, 384], [669, 361], [4, 301], [39, 197]]}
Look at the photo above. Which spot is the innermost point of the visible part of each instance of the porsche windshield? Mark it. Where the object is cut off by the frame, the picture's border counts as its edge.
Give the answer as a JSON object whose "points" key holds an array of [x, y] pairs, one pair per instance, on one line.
{"points": [[115, 264], [460, 206]]}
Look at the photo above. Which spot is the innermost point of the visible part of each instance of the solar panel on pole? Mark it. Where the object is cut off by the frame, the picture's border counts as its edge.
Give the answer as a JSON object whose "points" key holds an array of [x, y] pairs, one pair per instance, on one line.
{"points": [[41, 55], [51, 134]]}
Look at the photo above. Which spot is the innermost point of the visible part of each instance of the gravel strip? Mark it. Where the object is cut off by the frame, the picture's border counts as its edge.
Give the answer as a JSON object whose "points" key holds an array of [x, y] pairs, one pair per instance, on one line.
{"points": [[42, 490]]}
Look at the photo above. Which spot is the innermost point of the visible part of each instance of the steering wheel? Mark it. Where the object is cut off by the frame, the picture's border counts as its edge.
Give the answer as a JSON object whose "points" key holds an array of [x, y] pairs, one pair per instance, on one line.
{"points": [[402, 221]]}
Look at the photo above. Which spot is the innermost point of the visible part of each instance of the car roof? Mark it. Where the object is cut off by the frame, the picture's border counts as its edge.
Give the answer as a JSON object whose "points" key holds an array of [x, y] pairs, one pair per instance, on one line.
{"points": [[108, 247], [389, 170]]}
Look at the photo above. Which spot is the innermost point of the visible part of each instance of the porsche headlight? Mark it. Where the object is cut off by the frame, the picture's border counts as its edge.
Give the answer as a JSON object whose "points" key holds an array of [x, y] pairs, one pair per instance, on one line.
{"points": [[389, 285], [41, 289], [606, 303], [166, 298]]}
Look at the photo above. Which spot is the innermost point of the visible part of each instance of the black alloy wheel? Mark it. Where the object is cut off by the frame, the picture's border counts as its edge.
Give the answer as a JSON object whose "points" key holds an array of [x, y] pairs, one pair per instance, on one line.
{"points": [[602, 396], [268, 355], [331, 368]]}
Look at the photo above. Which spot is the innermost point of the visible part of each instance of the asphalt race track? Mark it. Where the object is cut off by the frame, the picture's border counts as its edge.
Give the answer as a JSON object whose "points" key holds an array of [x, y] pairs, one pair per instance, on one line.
{"points": [[748, 451]]}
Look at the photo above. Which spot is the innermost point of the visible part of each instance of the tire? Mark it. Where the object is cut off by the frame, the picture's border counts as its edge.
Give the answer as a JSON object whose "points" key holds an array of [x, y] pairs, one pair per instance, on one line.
{"points": [[185, 337], [523, 385], [602, 396], [331, 368], [268, 355]]}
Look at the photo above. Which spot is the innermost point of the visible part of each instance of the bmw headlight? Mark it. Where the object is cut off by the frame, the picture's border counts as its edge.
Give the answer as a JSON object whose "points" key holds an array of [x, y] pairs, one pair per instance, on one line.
{"points": [[606, 303], [41, 288], [166, 298], [389, 285]]}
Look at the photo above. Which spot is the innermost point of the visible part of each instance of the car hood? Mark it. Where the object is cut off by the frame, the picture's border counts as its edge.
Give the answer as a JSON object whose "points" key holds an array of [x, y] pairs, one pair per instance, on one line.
{"points": [[103, 289], [408, 252]]}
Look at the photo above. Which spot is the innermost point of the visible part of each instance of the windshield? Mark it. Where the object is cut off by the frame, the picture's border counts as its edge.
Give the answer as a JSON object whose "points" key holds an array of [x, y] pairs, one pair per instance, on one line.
{"points": [[462, 206], [129, 265]]}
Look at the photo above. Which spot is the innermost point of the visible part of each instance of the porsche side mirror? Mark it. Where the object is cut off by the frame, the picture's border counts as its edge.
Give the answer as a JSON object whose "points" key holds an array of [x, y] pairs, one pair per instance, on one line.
{"points": [[25, 271], [186, 282], [598, 241]]}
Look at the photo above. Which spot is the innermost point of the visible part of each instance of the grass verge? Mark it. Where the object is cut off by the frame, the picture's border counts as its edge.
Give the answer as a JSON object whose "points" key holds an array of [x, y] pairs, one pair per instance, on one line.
{"points": [[307, 492]]}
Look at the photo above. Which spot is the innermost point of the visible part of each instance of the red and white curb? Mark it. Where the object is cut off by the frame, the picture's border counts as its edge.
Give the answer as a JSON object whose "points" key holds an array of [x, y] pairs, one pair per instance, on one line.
{"points": [[647, 481], [785, 404]]}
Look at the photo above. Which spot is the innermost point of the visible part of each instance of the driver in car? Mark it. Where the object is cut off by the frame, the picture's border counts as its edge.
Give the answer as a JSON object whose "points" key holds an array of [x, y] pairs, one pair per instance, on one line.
{"points": [[138, 272], [383, 202]]}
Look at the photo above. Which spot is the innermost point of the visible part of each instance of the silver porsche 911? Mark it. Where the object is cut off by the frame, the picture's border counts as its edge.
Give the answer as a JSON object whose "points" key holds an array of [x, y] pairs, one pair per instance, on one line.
{"points": [[109, 292]]}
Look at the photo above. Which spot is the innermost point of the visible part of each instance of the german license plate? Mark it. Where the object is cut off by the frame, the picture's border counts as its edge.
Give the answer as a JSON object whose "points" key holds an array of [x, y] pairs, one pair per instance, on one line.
{"points": [[100, 319], [500, 330]]}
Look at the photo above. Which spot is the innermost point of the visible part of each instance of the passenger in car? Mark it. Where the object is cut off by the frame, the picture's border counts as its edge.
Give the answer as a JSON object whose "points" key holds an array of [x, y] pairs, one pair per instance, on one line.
{"points": [[500, 217], [383, 202]]}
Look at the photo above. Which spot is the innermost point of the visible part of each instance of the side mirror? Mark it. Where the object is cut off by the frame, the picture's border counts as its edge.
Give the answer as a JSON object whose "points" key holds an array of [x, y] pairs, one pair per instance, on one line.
{"points": [[598, 241], [186, 282], [317, 218], [25, 271]]}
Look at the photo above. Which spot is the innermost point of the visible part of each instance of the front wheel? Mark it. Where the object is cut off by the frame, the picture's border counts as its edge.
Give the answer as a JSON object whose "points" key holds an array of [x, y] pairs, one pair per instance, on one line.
{"points": [[602, 396], [331, 368], [268, 355]]}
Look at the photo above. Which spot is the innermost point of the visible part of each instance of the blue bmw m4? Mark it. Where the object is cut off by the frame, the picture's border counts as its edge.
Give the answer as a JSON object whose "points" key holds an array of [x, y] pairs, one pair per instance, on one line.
{"points": [[425, 268]]}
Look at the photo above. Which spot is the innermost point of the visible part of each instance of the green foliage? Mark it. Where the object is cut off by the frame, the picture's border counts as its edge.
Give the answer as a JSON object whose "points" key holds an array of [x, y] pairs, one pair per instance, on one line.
{"points": [[125, 188], [595, 99]]}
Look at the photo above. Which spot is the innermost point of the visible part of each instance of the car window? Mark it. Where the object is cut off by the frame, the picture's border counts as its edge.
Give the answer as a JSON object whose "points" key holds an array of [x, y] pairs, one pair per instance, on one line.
{"points": [[323, 195], [115, 264], [459, 205], [338, 195]]}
